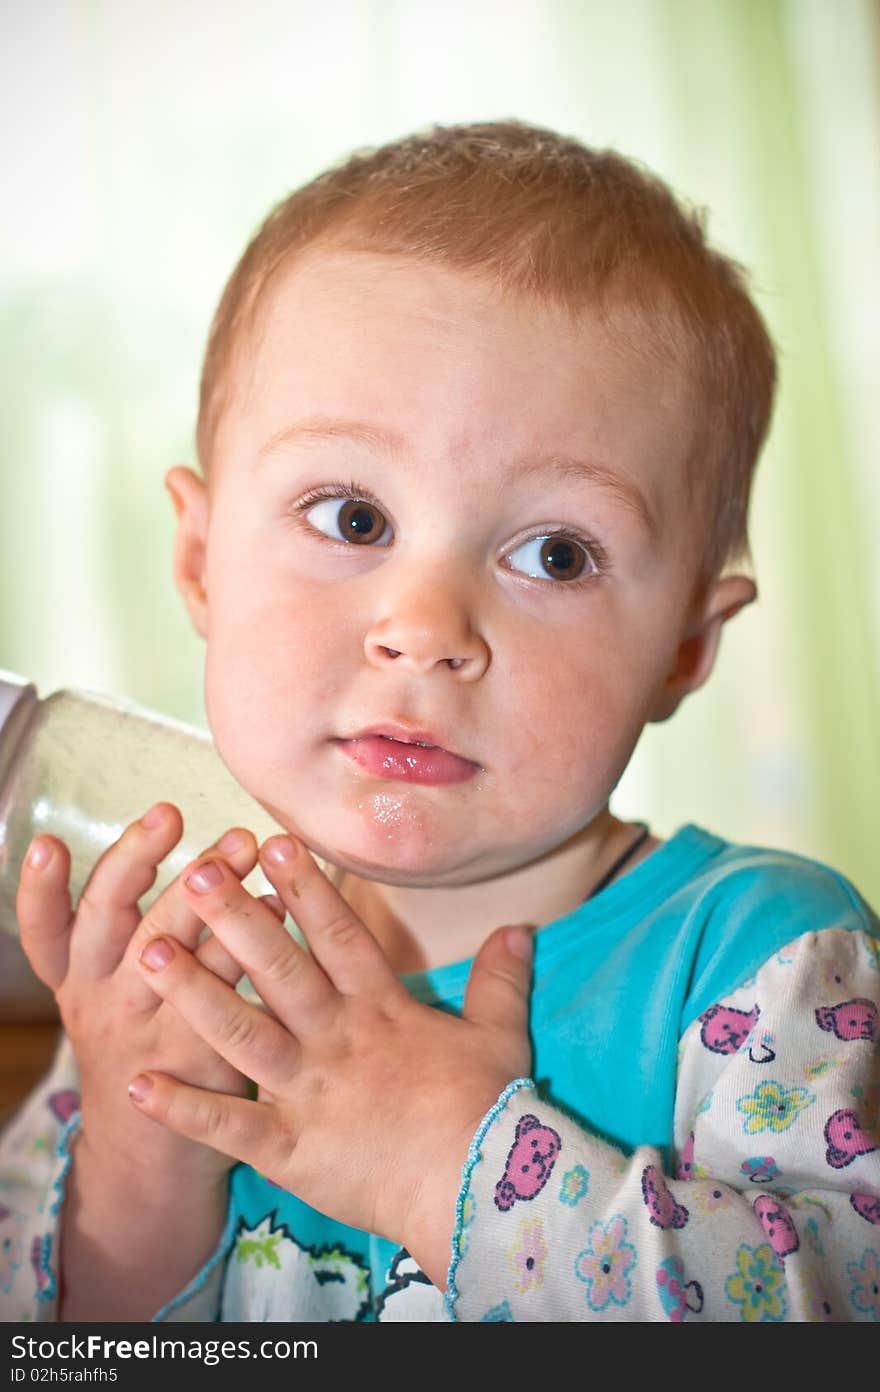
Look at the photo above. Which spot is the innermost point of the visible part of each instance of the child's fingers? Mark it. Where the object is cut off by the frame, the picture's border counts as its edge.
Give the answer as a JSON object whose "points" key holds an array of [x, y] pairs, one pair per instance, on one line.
{"points": [[287, 978], [497, 992], [346, 950], [244, 1035], [274, 903], [245, 1130], [42, 907], [237, 850], [172, 915], [107, 913], [213, 955]]}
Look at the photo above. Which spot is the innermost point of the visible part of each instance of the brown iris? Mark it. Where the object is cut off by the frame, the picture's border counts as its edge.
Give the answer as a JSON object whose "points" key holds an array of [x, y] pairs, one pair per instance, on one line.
{"points": [[360, 522], [562, 558]]}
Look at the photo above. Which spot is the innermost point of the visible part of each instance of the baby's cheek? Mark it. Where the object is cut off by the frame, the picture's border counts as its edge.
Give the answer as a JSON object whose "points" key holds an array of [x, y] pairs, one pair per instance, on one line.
{"points": [[570, 766], [580, 744], [246, 720]]}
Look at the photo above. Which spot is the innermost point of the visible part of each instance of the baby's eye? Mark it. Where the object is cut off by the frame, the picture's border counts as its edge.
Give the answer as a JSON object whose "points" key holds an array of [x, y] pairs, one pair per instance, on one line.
{"points": [[561, 557], [352, 519]]}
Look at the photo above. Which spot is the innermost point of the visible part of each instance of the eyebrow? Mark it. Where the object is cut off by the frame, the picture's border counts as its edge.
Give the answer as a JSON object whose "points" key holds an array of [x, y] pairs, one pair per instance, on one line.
{"points": [[389, 442]]}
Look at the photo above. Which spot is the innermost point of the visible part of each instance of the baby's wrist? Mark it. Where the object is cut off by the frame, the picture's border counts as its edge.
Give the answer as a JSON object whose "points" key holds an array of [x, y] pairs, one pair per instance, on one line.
{"points": [[432, 1215], [146, 1159], [116, 1262]]}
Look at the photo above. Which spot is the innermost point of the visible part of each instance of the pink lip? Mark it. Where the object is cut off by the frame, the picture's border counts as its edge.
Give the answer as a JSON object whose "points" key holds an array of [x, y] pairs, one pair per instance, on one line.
{"points": [[389, 751]]}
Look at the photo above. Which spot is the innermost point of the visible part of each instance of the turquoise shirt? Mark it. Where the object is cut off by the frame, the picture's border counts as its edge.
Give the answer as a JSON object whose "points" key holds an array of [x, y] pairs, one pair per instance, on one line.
{"points": [[616, 984]]}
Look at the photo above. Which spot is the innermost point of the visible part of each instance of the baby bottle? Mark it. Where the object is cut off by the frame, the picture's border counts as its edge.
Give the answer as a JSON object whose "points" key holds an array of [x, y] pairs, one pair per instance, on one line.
{"points": [[83, 766]]}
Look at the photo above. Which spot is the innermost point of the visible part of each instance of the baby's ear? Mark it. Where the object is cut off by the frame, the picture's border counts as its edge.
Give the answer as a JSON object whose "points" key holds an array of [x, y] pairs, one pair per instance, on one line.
{"points": [[190, 498], [698, 649]]}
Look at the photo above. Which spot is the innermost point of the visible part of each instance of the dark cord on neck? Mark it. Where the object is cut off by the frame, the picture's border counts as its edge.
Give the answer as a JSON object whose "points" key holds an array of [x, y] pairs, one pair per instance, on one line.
{"points": [[621, 860]]}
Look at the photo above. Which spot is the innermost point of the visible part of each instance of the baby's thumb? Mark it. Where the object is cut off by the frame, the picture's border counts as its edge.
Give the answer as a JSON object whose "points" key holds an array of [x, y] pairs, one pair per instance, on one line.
{"points": [[498, 987]]}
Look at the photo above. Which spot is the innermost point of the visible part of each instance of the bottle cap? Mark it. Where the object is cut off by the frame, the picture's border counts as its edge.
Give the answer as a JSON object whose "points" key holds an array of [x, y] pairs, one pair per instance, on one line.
{"points": [[12, 690]]}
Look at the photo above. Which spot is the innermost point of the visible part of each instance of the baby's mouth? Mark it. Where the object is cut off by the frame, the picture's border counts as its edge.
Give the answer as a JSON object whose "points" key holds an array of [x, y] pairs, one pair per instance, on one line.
{"points": [[404, 756]]}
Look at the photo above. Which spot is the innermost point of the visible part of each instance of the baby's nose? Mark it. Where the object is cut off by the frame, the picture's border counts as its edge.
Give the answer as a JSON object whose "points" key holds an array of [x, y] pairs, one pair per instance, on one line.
{"points": [[425, 629]]}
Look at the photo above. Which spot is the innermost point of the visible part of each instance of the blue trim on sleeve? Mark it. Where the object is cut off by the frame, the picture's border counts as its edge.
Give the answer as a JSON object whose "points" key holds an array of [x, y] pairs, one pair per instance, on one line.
{"points": [[474, 1155], [201, 1277], [44, 1245], [62, 1152], [41, 1252]]}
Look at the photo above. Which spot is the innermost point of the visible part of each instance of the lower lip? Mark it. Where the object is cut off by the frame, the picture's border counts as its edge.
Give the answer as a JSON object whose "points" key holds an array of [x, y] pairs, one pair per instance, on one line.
{"points": [[410, 763]]}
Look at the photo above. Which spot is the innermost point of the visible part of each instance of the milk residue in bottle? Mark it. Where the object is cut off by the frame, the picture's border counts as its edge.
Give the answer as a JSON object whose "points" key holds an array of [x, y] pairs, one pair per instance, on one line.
{"points": [[82, 766]]}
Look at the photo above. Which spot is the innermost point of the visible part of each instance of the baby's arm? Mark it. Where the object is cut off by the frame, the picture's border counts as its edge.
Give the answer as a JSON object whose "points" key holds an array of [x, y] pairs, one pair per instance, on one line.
{"points": [[134, 1210], [775, 1214]]}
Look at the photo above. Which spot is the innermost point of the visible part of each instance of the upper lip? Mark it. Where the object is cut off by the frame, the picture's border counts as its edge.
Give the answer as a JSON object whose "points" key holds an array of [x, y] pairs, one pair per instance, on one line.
{"points": [[405, 734]]}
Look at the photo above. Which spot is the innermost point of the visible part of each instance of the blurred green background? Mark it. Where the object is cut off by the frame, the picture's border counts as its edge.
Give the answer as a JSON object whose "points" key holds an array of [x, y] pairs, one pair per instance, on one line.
{"points": [[142, 144]]}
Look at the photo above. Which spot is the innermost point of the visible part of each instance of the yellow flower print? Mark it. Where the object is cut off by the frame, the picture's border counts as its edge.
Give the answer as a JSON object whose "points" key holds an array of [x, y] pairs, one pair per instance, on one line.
{"points": [[710, 1197], [817, 1299], [865, 1276], [605, 1265], [757, 1285], [772, 1107], [528, 1254]]}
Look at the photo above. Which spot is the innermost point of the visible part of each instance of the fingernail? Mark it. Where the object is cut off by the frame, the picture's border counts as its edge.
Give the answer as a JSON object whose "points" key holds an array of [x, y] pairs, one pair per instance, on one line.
{"points": [[139, 1087], [157, 954], [232, 841], [40, 855], [520, 941], [208, 876], [275, 904], [280, 850], [155, 817]]}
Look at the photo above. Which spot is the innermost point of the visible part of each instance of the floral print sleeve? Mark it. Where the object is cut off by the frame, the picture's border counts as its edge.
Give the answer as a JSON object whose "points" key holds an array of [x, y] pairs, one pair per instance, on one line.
{"points": [[34, 1160], [770, 1209], [36, 1151]]}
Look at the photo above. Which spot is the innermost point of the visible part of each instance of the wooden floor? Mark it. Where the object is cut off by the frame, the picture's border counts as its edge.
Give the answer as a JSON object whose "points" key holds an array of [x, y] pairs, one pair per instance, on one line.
{"points": [[25, 1053]]}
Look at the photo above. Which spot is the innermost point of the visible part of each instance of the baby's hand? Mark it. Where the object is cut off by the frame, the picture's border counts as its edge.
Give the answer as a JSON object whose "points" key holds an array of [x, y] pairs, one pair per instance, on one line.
{"points": [[368, 1099], [116, 1024]]}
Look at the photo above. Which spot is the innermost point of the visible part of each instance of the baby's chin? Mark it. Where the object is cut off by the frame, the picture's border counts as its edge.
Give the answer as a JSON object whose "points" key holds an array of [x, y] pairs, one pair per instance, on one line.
{"points": [[389, 843], [408, 866]]}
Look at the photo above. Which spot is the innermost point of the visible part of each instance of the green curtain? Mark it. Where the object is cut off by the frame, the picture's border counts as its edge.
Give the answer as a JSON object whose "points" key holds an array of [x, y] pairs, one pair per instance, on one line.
{"points": [[143, 143]]}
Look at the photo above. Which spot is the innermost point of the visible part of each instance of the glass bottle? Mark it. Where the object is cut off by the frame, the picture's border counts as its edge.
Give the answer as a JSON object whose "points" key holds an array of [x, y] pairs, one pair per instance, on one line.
{"points": [[82, 766]]}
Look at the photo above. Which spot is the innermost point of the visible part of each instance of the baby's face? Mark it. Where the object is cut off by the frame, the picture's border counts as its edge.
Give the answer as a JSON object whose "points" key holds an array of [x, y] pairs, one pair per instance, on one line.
{"points": [[457, 415]]}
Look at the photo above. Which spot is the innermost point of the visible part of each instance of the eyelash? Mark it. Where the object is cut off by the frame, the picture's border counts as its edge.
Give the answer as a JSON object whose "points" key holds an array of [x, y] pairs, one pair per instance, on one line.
{"points": [[353, 492]]}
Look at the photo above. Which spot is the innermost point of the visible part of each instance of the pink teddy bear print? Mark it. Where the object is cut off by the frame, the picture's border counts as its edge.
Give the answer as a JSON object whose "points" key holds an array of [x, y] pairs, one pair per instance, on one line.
{"points": [[867, 1206], [529, 1163], [725, 1029], [846, 1139], [778, 1225], [852, 1019], [664, 1211]]}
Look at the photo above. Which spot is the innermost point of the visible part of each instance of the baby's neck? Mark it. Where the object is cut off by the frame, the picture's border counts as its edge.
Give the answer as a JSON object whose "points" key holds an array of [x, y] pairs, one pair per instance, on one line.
{"points": [[422, 928]]}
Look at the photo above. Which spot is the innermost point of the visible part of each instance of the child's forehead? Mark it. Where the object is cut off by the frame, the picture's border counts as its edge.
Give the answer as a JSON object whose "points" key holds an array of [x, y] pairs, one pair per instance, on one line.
{"points": [[419, 362], [366, 309], [337, 283]]}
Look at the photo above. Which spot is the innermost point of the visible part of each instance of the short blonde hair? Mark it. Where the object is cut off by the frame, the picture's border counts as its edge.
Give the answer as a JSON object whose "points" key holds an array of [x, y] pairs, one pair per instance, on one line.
{"points": [[542, 214]]}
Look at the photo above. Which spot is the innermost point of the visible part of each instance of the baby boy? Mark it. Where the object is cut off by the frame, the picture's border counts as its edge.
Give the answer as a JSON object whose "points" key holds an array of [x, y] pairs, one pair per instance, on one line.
{"points": [[479, 416]]}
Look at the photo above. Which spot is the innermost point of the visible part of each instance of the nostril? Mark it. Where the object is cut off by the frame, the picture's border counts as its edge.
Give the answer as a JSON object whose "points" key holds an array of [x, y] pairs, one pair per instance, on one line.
{"points": [[392, 652]]}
